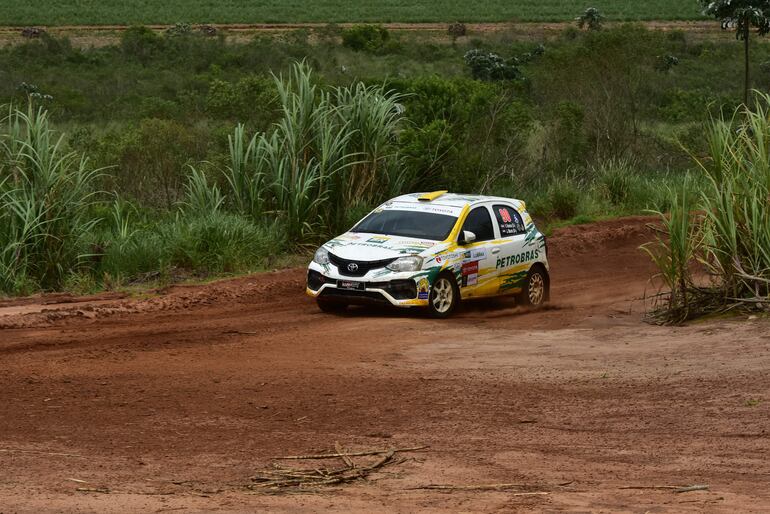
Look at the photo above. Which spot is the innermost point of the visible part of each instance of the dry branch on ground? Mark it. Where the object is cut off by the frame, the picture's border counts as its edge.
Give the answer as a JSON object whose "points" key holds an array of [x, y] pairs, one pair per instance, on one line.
{"points": [[284, 478]]}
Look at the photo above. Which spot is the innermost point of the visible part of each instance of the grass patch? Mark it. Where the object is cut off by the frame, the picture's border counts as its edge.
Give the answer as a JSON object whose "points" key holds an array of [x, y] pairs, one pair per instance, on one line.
{"points": [[97, 12]]}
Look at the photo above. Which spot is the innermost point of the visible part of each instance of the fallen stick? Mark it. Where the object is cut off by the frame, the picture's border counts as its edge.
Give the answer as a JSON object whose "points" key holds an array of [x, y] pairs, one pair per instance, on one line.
{"points": [[350, 454], [689, 488], [347, 460], [481, 487], [102, 490], [674, 488], [490, 487]]}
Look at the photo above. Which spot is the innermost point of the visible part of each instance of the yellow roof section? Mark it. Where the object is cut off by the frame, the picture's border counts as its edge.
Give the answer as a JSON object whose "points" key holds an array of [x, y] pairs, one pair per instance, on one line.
{"points": [[429, 197]]}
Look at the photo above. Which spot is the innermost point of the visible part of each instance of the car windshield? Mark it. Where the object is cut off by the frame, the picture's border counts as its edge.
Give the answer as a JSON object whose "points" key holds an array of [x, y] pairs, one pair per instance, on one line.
{"points": [[417, 224]]}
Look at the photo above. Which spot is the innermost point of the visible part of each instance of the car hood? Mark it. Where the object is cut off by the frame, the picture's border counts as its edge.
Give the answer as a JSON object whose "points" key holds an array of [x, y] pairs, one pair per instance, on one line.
{"points": [[374, 247]]}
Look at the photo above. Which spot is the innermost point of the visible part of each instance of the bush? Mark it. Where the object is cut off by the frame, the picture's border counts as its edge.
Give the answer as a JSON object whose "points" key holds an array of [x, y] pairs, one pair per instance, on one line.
{"points": [[618, 183], [365, 38], [564, 198], [141, 43], [202, 243], [249, 98], [490, 66], [151, 159]]}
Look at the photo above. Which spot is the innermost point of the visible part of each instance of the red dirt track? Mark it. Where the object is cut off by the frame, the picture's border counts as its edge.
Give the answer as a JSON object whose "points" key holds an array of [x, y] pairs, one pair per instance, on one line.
{"points": [[172, 402]]}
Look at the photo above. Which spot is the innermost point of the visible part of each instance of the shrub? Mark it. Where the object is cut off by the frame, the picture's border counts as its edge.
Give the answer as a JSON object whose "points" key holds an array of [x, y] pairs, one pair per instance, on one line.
{"points": [[248, 98], [141, 43], [490, 66], [151, 159], [179, 29], [457, 30], [366, 38], [564, 198], [203, 243], [618, 183], [590, 19]]}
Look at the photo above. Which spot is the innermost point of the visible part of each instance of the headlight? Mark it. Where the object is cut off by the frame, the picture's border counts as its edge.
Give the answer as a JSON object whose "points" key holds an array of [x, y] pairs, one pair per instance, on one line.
{"points": [[321, 256], [410, 263]]}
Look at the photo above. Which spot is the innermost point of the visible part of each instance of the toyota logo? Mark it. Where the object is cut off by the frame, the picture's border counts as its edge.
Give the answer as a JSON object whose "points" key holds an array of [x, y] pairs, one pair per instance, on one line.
{"points": [[353, 267]]}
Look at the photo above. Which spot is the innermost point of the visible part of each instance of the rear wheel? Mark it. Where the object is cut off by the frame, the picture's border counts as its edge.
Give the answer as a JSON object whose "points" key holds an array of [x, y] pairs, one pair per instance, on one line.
{"points": [[535, 291], [444, 296], [331, 306]]}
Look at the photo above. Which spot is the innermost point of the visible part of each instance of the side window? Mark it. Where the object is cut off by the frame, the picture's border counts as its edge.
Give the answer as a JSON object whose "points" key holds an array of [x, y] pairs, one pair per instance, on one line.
{"points": [[479, 222], [509, 220]]}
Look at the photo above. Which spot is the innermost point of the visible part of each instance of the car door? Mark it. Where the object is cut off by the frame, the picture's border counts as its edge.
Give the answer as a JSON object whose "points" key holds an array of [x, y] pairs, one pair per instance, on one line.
{"points": [[477, 275], [512, 258]]}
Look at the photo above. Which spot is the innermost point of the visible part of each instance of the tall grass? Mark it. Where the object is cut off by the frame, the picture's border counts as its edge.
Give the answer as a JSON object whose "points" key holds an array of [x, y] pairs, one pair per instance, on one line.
{"points": [[330, 151], [732, 241], [45, 196]]}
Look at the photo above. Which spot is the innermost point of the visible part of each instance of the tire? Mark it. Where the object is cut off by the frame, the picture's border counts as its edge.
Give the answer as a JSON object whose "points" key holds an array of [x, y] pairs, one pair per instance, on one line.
{"points": [[331, 307], [536, 289], [444, 296]]}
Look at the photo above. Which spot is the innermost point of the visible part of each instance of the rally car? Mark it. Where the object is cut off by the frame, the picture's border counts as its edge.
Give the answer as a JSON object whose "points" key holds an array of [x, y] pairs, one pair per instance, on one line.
{"points": [[433, 250]]}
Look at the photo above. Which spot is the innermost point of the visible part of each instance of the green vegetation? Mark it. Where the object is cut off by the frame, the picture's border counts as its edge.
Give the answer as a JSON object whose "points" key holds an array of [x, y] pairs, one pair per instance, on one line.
{"points": [[101, 12], [208, 156], [742, 16], [726, 229]]}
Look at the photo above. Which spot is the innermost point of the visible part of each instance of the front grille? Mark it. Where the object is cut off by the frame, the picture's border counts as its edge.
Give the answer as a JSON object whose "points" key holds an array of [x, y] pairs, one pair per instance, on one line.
{"points": [[363, 267]]}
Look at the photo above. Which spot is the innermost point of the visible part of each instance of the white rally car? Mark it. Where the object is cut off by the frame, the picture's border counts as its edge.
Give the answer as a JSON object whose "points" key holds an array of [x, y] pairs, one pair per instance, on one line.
{"points": [[432, 250]]}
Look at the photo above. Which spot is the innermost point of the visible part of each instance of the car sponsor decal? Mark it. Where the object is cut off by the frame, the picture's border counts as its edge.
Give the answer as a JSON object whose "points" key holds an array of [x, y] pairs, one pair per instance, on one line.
{"points": [[378, 239], [518, 258], [423, 289], [470, 273], [513, 280], [448, 210]]}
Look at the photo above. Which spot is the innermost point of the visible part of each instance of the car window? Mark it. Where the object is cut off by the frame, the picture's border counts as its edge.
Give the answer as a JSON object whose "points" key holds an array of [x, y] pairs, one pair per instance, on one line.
{"points": [[479, 222], [420, 225], [509, 220]]}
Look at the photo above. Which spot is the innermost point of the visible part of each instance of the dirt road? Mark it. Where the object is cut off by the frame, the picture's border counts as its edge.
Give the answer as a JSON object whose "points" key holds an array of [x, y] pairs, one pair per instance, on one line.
{"points": [[172, 402], [84, 36]]}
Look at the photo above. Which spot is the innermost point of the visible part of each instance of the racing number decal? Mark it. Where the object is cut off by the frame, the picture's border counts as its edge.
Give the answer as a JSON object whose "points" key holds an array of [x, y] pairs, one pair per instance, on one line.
{"points": [[505, 215]]}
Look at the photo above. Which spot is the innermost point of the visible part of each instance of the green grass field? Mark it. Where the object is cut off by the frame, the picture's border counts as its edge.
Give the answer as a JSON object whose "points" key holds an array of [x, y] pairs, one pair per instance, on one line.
{"points": [[126, 12]]}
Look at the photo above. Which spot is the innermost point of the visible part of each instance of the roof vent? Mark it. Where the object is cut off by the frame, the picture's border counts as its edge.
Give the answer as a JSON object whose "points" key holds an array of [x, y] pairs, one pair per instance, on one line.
{"points": [[429, 197]]}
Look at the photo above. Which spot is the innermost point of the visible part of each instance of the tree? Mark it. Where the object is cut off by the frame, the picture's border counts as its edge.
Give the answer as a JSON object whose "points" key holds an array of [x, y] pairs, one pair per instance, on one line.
{"points": [[741, 15]]}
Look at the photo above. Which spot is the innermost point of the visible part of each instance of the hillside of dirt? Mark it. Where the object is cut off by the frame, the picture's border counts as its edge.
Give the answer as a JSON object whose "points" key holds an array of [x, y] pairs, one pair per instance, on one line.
{"points": [[172, 401]]}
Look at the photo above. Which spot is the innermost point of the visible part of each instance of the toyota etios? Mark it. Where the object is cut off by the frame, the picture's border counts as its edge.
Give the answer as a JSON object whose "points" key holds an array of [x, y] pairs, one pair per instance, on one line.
{"points": [[433, 250]]}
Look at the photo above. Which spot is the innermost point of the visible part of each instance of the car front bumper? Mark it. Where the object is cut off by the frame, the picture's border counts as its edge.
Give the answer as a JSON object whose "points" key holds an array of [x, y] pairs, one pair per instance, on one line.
{"points": [[399, 289]]}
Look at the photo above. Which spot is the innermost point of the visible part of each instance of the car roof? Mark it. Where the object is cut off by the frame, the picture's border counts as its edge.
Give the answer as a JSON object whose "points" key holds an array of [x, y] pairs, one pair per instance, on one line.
{"points": [[444, 198]]}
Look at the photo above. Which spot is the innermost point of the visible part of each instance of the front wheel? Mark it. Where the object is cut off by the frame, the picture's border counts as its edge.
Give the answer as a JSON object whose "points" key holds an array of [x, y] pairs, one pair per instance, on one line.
{"points": [[535, 291], [444, 296]]}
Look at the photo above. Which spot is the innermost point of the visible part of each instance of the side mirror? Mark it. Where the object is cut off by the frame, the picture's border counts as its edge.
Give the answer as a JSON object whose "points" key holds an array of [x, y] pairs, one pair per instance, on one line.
{"points": [[466, 237]]}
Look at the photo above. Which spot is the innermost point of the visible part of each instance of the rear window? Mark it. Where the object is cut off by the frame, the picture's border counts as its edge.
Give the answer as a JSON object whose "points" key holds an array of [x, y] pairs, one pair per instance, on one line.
{"points": [[420, 225], [509, 220]]}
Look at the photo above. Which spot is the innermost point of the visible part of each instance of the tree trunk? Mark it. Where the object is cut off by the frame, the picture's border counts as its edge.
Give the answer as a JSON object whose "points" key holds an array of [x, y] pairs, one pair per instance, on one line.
{"points": [[746, 65]]}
